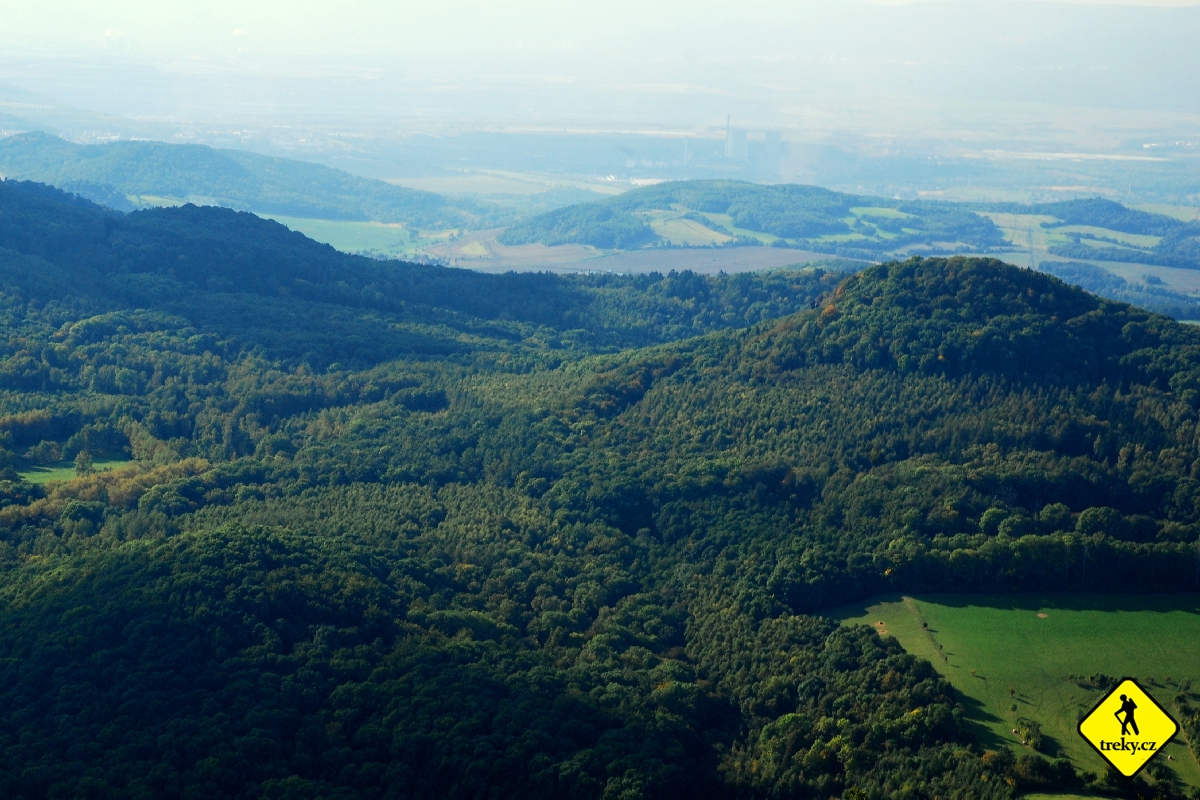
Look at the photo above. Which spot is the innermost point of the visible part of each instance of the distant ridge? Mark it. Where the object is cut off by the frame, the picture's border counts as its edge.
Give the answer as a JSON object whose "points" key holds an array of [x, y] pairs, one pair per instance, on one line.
{"points": [[126, 175], [191, 260], [727, 213], [780, 215]]}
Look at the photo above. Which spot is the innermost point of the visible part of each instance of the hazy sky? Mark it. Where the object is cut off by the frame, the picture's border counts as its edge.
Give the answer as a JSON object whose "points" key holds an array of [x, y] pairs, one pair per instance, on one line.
{"points": [[456, 28], [620, 62]]}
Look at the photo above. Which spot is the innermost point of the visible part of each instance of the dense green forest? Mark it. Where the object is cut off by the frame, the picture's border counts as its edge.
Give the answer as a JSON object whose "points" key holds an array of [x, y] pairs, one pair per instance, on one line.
{"points": [[121, 174], [392, 530], [596, 224]]}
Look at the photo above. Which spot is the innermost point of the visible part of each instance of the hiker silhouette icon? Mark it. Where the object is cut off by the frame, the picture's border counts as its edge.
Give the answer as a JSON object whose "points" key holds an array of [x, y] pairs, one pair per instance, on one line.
{"points": [[1127, 708]]}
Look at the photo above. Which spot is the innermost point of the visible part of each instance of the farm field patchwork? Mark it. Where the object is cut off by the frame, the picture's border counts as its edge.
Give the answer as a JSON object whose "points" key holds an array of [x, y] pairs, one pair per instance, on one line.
{"points": [[479, 250], [1024, 231], [1063, 234], [155, 201], [1176, 278], [712, 260], [1019, 651], [684, 232], [726, 221]]}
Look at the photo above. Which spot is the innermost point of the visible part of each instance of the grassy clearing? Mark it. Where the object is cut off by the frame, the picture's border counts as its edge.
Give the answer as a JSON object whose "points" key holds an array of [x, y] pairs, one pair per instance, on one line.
{"points": [[726, 222], [155, 201], [65, 470], [1006, 651], [374, 238]]}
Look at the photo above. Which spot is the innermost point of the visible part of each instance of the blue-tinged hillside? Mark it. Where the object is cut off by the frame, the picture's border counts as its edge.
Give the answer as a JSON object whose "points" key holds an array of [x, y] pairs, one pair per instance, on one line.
{"points": [[780, 215], [121, 174], [194, 260]]}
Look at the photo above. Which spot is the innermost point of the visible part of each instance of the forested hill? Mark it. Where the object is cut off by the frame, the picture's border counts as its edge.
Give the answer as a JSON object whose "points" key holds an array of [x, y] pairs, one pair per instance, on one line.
{"points": [[365, 546], [125, 175], [735, 212], [191, 259]]}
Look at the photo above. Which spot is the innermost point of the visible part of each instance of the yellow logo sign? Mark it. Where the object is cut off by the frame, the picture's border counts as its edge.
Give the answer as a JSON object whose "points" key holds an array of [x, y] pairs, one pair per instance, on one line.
{"points": [[1128, 727]]}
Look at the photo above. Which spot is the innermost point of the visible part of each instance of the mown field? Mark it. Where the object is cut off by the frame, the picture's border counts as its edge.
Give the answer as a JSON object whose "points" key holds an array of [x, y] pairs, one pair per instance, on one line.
{"points": [[684, 232], [1012, 656]]}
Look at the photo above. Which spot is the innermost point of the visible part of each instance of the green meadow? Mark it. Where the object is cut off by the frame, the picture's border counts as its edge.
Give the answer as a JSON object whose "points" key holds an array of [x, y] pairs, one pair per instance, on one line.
{"points": [[726, 222], [381, 239], [1012, 656], [371, 238], [65, 470]]}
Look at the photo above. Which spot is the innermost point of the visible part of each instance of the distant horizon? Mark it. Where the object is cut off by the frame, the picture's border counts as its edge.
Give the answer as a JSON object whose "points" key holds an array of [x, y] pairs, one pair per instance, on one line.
{"points": [[1006, 97], [850, 65]]}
